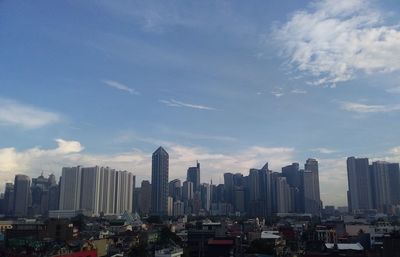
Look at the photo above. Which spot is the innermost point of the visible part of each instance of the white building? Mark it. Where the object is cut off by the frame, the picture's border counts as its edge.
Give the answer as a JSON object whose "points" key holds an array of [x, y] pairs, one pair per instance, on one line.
{"points": [[97, 190], [70, 190], [170, 207], [179, 208], [90, 192]]}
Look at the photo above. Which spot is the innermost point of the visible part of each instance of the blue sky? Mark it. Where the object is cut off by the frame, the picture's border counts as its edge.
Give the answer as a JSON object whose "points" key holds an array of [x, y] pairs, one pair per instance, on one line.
{"points": [[231, 83]]}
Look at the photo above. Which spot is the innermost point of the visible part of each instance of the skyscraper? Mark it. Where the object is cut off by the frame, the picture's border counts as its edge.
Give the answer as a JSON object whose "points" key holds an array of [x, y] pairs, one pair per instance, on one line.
{"points": [[229, 186], [22, 190], [284, 199], [90, 192], [394, 182], [175, 189], [312, 199], [259, 192], [206, 196], [294, 177], [159, 182], [359, 183], [145, 198], [380, 187], [193, 175], [9, 199]]}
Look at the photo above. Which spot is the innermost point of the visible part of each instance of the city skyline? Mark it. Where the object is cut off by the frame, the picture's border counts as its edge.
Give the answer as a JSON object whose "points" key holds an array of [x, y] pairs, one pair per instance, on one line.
{"points": [[228, 84], [263, 192]]}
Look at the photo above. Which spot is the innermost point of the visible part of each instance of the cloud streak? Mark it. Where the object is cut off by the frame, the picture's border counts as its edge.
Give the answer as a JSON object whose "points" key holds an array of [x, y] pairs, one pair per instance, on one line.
{"points": [[120, 86], [175, 103], [366, 108], [324, 150], [333, 40], [13, 113]]}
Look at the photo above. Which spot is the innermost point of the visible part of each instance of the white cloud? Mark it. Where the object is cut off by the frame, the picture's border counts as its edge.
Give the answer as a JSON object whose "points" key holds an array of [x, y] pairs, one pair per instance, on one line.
{"points": [[175, 103], [120, 86], [278, 92], [213, 164], [333, 181], [324, 150], [298, 91], [17, 114], [70, 153], [393, 90], [332, 40], [365, 108]]}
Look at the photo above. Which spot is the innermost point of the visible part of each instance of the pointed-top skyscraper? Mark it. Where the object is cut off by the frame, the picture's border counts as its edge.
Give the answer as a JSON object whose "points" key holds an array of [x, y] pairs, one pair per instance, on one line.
{"points": [[193, 175], [159, 182]]}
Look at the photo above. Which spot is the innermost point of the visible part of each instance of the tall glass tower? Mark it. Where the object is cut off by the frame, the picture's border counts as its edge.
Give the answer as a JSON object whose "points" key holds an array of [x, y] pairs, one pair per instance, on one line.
{"points": [[159, 182]]}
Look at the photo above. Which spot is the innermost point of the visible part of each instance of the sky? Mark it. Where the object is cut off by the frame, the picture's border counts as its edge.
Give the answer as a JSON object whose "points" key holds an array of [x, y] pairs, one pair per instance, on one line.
{"points": [[233, 84]]}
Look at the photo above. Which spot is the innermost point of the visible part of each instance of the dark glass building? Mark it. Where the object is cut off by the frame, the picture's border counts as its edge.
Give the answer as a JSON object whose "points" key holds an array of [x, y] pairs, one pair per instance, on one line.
{"points": [[159, 182]]}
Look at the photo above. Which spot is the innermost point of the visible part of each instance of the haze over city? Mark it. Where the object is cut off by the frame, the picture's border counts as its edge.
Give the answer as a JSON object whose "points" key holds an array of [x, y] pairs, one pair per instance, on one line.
{"points": [[229, 84]]}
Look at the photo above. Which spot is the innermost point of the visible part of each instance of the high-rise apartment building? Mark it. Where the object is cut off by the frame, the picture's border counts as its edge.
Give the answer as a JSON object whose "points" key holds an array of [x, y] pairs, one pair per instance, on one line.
{"points": [[97, 190], [90, 191], [159, 182], [359, 193], [380, 187], [312, 198], [70, 188]]}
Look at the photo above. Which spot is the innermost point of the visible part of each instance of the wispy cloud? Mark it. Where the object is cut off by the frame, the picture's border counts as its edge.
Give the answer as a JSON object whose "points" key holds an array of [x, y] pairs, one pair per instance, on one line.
{"points": [[332, 40], [120, 86], [365, 108], [324, 150], [393, 90], [277, 92], [26, 116], [175, 103], [298, 91]]}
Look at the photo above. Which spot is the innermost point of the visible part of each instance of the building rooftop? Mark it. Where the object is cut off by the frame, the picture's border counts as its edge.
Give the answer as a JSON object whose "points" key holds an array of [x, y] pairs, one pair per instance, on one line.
{"points": [[354, 247]]}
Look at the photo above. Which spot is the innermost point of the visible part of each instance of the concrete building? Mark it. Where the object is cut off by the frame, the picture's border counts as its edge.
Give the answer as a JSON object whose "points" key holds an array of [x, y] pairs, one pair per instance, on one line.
{"points": [[359, 183], [283, 196], [380, 187], [145, 198], [90, 192], [97, 190], [312, 198], [70, 189], [179, 208]]}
